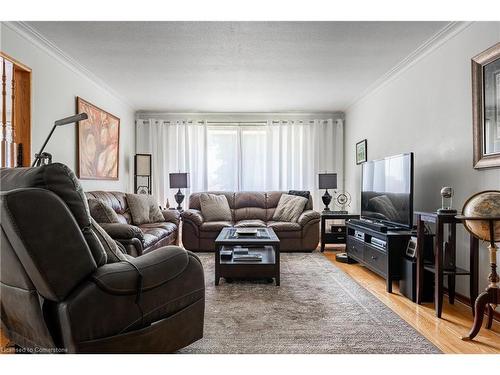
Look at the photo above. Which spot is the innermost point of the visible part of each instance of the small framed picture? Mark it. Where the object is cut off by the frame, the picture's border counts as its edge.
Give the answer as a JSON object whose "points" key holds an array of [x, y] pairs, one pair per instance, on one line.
{"points": [[361, 152]]}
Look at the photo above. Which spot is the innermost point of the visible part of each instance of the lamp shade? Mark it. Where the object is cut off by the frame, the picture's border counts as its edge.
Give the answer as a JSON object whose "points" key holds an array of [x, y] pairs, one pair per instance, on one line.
{"points": [[327, 180], [179, 180], [143, 164]]}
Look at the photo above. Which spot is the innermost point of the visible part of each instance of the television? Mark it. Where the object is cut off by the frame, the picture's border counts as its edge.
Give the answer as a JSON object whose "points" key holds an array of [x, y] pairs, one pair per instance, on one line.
{"points": [[387, 190]]}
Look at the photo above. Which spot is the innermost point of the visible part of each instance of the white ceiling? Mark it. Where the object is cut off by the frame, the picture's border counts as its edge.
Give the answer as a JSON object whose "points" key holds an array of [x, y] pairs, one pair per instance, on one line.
{"points": [[238, 66]]}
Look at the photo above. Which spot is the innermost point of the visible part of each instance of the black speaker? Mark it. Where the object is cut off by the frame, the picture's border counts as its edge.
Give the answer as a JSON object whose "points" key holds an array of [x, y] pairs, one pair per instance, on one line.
{"points": [[408, 282]]}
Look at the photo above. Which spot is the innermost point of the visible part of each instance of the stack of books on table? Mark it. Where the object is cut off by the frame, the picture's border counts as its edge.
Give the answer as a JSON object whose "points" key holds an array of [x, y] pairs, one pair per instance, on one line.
{"points": [[241, 254]]}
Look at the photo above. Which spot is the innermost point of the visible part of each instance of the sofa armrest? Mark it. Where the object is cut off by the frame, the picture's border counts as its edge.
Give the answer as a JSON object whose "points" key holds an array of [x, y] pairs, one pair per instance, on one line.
{"points": [[118, 231], [172, 216], [156, 268], [308, 216], [194, 216]]}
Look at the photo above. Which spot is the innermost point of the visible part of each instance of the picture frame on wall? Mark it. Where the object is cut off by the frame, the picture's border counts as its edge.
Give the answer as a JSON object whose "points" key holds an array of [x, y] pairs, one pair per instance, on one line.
{"points": [[486, 108], [98, 143], [361, 152]]}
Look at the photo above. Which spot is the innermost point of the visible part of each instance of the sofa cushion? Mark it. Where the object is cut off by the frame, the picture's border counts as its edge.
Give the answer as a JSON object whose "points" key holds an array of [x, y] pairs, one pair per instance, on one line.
{"points": [[213, 226], [101, 212], [250, 223], [215, 207], [284, 226], [289, 208], [154, 232]]}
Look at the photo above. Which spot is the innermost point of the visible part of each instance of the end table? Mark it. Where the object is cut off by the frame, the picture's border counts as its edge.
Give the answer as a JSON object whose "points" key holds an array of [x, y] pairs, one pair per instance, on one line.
{"points": [[340, 235]]}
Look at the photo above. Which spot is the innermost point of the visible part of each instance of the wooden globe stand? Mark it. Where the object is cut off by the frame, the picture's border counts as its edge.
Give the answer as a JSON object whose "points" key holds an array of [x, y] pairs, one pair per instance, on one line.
{"points": [[490, 298]]}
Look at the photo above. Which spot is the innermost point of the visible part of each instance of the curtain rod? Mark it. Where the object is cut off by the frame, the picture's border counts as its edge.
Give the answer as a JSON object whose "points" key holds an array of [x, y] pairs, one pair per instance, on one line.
{"points": [[235, 122]]}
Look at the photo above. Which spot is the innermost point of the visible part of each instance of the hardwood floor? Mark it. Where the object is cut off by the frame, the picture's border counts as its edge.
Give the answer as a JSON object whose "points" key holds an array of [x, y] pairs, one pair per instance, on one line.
{"points": [[445, 333]]}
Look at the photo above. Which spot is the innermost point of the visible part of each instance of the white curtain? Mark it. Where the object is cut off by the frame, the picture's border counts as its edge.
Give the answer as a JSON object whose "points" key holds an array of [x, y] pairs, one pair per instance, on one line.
{"points": [[282, 155], [297, 151], [175, 146]]}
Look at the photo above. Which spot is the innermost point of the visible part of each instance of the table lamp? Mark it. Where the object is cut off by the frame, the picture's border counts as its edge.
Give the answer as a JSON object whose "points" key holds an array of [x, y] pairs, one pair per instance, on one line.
{"points": [[179, 181], [327, 181]]}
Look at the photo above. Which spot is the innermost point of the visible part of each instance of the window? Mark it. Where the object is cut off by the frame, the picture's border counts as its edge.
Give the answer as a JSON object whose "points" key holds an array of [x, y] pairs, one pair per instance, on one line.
{"points": [[236, 157]]}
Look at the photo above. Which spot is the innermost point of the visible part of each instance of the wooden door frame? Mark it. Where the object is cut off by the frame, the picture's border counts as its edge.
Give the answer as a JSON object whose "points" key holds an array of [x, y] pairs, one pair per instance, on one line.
{"points": [[23, 100]]}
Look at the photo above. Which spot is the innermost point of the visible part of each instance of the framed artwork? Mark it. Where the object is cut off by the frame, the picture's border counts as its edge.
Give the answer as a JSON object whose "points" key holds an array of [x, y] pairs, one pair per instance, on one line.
{"points": [[361, 152], [98, 143], [486, 108]]}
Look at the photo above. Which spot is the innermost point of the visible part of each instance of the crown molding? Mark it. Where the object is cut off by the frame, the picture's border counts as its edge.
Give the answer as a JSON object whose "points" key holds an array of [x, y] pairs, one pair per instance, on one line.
{"points": [[34, 37], [237, 116], [437, 40]]}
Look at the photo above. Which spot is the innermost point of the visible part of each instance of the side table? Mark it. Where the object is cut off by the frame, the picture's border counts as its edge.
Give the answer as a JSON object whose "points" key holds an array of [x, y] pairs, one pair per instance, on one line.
{"points": [[327, 237], [444, 258]]}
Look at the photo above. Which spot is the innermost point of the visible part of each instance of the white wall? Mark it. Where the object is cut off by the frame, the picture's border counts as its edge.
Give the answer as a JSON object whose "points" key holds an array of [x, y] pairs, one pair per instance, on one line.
{"points": [[427, 109], [55, 86]]}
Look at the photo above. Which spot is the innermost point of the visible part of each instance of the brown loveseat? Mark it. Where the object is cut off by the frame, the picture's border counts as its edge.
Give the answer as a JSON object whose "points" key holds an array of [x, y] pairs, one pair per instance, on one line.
{"points": [[250, 209], [137, 239]]}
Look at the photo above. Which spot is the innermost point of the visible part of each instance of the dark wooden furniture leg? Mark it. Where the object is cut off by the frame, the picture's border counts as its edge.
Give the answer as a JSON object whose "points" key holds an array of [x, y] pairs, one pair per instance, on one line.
{"points": [[438, 276], [481, 303], [217, 262], [323, 236], [474, 271], [277, 260], [452, 246], [420, 257], [491, 311]]}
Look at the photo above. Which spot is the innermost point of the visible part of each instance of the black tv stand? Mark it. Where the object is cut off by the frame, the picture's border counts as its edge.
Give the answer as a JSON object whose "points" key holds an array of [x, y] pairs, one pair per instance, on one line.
{"points": [[381, 252], [378, 226]]}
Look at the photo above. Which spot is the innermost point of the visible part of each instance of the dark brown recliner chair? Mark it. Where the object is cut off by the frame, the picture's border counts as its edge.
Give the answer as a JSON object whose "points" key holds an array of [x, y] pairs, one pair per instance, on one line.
{"points": [[66, 287]]}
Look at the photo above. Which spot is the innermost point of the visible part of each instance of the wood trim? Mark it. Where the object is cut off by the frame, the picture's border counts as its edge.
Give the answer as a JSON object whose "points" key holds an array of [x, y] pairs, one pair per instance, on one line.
{"points": [[480, 160], [23, 112], [19, 64]]}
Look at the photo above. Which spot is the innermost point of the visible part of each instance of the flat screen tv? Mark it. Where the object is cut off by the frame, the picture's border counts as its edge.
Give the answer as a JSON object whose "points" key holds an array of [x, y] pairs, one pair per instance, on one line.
{"points": [[387, 190]]}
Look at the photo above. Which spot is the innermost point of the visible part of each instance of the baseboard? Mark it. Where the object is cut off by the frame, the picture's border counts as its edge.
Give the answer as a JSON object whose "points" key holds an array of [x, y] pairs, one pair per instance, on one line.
{"points": [[466, 301]]}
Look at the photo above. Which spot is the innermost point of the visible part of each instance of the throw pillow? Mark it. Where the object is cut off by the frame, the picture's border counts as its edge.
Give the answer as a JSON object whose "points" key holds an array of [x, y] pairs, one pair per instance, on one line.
{"points": [[289, 208], [101, 212], [139, 208], [215, 207], [155, 215], [300, 193], [113, 251]]}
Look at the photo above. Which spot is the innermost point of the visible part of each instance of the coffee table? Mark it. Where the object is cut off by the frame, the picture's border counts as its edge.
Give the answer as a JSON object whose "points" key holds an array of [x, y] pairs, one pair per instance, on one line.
{"points": [[265, 243]]}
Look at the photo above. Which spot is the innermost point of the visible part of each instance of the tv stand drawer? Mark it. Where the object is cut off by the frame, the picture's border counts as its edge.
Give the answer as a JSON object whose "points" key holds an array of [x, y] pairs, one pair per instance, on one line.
{"points": [[355, 248], [375, 259]]}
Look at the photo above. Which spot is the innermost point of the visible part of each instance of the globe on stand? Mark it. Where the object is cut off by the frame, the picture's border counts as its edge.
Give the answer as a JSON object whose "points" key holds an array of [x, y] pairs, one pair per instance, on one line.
{"points": [[481, 217]]}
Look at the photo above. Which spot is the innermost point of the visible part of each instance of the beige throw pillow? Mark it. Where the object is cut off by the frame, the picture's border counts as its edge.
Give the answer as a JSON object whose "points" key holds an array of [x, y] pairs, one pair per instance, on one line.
{"points": [[144, 209], [155, 215], [289, 208], [215, 207]]}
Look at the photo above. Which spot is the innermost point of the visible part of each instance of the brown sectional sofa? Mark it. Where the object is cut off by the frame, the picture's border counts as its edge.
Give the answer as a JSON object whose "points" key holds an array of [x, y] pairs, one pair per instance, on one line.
{"points": [[250, 209], [137, 239]]}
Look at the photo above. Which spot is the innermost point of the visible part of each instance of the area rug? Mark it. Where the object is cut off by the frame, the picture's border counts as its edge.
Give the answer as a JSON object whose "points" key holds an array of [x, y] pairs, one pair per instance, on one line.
{"points": [[317, 309]]}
